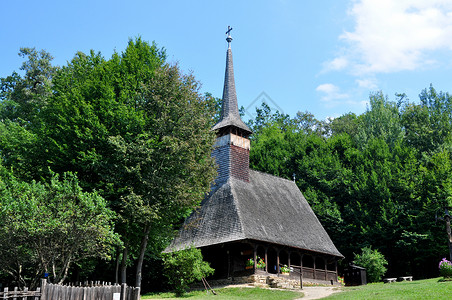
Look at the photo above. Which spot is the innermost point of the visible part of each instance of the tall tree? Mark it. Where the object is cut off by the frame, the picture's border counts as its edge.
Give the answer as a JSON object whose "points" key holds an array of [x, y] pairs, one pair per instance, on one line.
{"points": [[50, 227], [381, 120], [137, 129]]}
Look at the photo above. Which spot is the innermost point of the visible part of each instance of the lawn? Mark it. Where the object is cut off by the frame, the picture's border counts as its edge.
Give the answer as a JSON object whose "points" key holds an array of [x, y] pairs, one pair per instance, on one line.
{"points": [[232, 293], [418, 289]]}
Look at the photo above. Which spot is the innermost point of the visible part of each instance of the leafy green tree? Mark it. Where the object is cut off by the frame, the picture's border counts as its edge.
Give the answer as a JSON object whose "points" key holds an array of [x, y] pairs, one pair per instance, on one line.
{"points": [[184, 267], [137, 129], [429, 123], [347, 123], [21, 98], [373, 261], [381, 120], [50, 227]]}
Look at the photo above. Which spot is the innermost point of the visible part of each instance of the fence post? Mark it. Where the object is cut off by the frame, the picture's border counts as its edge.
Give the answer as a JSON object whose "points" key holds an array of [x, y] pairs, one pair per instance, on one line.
{"points": [[43, 289], [123, 292], [24, 296], [137, 293], [38, 291], [15, 293]]}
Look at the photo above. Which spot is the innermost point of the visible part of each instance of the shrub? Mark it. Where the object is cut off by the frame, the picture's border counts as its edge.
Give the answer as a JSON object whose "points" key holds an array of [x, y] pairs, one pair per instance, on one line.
{"points": [[183, 267], [445, 268], [374, 262]]}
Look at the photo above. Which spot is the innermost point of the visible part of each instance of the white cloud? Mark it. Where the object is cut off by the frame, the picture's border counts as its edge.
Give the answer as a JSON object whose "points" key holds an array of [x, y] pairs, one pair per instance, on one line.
{"points": [[338, 63], [331, 92], [394, 35], [332, 96], [367, 83]]}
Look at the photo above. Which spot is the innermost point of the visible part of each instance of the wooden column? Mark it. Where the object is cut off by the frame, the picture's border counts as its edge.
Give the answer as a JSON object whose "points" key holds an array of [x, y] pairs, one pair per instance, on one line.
{"points": [[288, 258], [301, 270], [266, 260], [314, 265], [229, 263], [335, 267], [255, 257], [277, 261], [326, 269]]}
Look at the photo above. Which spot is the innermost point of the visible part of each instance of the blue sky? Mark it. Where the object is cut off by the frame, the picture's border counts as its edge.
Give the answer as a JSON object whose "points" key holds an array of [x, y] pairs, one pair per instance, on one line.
{"points": [[324, 57]]}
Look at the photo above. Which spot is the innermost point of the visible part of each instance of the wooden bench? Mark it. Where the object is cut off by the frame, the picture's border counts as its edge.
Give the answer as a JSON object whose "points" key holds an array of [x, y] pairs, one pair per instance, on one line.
{"points": [[405, 278], [389, 280]]}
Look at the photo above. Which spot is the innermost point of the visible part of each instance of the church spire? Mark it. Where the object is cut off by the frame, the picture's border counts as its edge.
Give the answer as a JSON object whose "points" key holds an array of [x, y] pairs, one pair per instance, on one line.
{"points": [[230, 117], [232, 148]]}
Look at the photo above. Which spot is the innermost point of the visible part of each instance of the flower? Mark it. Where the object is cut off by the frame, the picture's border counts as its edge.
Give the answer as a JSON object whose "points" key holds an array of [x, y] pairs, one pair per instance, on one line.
{"points": [[341, 280], [260, 263], [250, 262], [445, 268], [285, 269]]}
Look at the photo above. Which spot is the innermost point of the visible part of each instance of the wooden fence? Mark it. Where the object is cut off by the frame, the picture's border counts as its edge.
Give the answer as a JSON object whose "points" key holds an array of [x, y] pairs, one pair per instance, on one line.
{"points": [[95, 291]]}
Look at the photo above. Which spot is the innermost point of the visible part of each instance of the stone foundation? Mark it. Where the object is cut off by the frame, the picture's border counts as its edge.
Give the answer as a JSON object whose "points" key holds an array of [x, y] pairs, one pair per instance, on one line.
{"points": [[267, 281]]}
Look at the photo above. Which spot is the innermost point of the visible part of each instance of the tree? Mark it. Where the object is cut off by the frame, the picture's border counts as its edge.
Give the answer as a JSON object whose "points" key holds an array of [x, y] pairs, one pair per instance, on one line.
{"points": [[183, 267], [137, 129], [23, 97], [347, 123], [374, 263], [429, 123], [46, 228], [381, 120]]}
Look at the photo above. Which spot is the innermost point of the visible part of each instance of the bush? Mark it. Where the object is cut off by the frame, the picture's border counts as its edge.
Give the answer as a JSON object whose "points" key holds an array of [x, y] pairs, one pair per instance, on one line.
{"points": [[374, 262], [445, 268], [183, 267]]}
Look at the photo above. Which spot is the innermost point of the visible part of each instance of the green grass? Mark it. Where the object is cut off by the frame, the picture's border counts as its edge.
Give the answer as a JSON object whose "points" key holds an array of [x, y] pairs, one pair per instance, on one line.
{"points": [[418, 289], [232, 293]]}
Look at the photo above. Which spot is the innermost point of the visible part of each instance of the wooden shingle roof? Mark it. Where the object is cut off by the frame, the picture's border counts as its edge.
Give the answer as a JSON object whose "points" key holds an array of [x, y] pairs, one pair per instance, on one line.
{"points": [[268, 209]]}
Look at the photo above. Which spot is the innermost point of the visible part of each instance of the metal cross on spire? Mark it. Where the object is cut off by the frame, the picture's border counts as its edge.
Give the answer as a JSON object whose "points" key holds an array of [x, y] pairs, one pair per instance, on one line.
{"points": [[229, 37]]}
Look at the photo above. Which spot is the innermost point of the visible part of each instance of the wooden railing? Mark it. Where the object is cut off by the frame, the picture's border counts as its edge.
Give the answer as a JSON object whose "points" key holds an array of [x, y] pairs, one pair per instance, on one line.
{"points": [[318, 274], [17, 294]]}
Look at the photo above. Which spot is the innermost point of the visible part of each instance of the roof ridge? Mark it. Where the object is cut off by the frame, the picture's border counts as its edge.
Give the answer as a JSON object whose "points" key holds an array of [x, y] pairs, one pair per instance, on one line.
{"points": [[268, 174]]}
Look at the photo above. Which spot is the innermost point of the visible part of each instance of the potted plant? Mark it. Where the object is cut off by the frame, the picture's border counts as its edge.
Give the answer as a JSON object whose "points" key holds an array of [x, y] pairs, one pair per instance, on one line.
{"points": [[260, 263], [249, 263], [285, 270]]}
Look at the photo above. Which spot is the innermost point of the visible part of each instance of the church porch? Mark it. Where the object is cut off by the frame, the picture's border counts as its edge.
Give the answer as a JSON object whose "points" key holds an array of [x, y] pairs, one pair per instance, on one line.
{"points": [[230, 262]]}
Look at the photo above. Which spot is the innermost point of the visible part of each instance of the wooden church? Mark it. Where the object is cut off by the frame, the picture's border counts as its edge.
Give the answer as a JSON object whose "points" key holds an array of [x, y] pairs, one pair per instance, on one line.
{"points": [[249, 214]]}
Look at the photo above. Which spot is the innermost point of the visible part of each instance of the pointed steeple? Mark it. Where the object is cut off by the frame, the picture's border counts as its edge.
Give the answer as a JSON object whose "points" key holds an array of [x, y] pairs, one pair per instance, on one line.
{"points": [[230, 117]]}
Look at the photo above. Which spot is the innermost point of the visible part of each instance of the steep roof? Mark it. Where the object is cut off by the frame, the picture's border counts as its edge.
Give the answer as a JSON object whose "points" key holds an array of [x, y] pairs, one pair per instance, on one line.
{"points": [[268, 209], [230, 111]]}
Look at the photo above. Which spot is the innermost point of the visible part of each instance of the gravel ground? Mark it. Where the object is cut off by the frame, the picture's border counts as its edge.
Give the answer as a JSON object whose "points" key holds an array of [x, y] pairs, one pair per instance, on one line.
{"points": [[310, 292], [318, 292]]}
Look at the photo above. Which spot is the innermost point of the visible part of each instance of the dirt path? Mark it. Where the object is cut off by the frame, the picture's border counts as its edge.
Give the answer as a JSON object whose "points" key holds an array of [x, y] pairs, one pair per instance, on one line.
{"points": [[318, 292]]}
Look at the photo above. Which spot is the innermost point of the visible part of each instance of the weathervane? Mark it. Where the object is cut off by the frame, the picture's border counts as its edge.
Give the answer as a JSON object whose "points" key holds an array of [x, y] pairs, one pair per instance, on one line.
{"points": [[229, 37]]}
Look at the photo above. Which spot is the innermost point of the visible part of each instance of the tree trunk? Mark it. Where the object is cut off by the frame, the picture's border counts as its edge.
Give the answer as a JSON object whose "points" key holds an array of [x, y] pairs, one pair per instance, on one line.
{"points": [[449, 234], [124, 265], [144, 244], [118, 263]]}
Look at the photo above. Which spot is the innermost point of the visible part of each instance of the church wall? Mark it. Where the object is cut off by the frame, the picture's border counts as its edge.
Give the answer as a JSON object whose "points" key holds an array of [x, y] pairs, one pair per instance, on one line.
{"points": [[232, 160], [222, 156], [240, 163]]}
